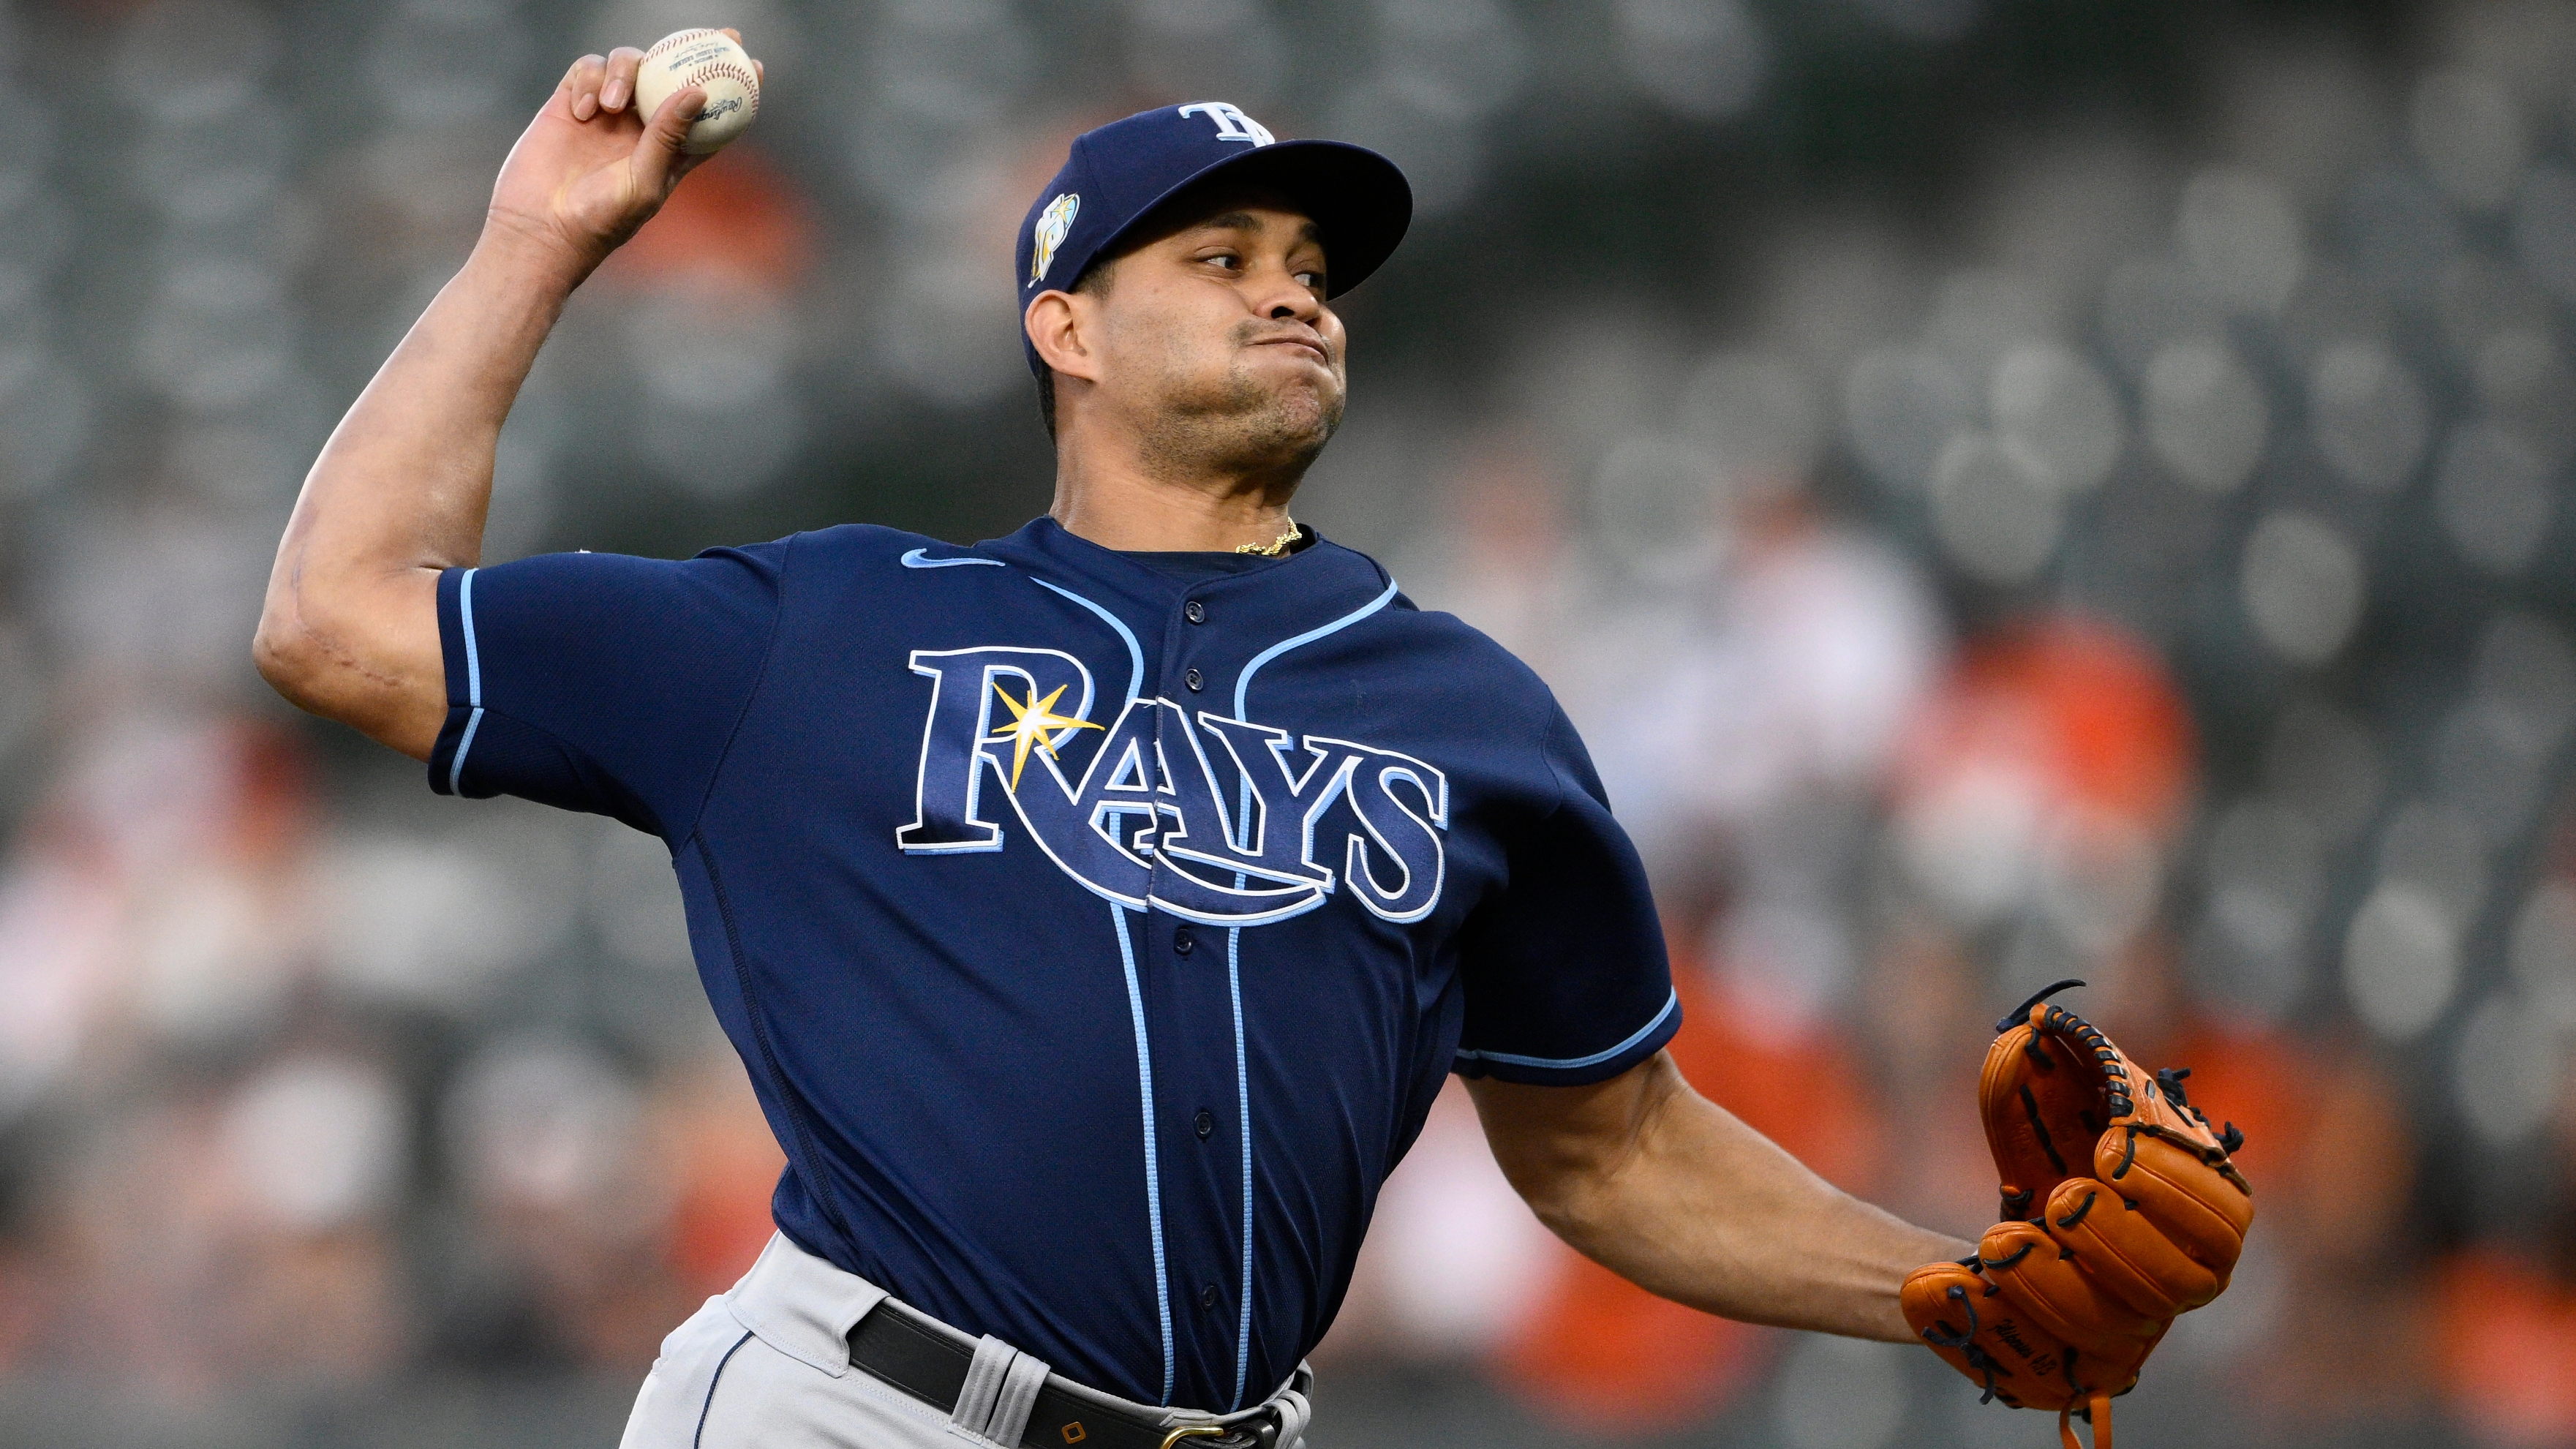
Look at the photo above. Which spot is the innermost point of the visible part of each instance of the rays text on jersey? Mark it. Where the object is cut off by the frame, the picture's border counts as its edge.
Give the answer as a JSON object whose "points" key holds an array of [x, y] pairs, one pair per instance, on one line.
{"points": [[1225, 821]]}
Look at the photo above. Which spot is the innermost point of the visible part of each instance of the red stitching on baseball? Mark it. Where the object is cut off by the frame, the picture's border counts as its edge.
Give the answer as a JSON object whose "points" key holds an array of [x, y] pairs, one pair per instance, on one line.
{"points": [[749, 83], [678, 37]]}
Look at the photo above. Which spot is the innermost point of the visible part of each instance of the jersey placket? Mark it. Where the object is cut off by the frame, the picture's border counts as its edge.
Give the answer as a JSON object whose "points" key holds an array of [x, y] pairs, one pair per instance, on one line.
{"points": [[1208, 1107]]}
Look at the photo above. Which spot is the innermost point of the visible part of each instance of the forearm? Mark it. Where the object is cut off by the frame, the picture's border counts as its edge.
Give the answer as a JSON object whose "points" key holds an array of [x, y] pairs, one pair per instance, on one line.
{"points": [[1691, 1204], [405, 479]]}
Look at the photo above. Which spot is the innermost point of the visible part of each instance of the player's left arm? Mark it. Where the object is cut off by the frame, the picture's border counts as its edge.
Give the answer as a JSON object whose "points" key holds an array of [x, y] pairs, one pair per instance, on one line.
{"points": [[1676, 1194]]}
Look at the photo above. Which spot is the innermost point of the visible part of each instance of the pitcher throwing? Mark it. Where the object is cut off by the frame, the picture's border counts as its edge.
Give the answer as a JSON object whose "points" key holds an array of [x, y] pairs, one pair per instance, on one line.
{"points": [[1097, 910]]}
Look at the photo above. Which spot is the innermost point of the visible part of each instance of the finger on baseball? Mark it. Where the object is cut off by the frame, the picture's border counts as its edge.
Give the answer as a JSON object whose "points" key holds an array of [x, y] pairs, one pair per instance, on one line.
{"points": [[620, 86], [657, 151], [582, 82]]}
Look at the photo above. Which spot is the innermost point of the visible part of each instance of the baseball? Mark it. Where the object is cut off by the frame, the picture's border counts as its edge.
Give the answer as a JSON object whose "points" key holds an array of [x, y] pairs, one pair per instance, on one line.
{"points": [[710, 60]]}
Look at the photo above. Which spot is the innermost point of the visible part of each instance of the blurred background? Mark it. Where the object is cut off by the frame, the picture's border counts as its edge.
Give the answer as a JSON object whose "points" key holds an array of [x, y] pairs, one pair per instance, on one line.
{"points": [[2010, 489]]}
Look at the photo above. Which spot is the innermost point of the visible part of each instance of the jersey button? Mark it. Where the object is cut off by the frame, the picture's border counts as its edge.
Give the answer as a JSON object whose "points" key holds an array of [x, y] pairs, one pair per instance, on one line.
{"points": [[1194, 611], [1192, 679], [1205, 1122], [1207, 1296], [1183, 943]]}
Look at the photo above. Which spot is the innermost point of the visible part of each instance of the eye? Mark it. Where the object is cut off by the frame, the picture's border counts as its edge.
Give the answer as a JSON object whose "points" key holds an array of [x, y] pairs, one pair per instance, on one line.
{"points": [[1311, 279], [1227, 260]]}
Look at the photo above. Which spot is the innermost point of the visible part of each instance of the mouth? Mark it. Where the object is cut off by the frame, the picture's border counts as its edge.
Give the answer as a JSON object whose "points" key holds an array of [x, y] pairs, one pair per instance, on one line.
{"points": [[1307, 345]]}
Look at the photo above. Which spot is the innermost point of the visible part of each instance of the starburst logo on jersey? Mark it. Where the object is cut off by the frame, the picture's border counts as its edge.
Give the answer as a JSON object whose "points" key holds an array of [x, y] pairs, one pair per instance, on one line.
{"points": [[1054, 224], [1226, 821], [1033, 723]]}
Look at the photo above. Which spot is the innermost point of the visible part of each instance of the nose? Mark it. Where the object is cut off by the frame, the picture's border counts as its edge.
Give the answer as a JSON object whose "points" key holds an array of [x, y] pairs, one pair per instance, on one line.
{"points": [[1284, 298]]}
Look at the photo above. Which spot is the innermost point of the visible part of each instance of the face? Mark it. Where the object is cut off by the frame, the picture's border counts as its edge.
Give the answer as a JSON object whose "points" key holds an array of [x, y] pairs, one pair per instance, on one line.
{"points": [[1213, 339]]}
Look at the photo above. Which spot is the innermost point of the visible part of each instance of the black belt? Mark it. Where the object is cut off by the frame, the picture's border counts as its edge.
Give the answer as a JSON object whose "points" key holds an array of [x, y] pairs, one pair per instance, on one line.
{"points": [[933, 1369]]}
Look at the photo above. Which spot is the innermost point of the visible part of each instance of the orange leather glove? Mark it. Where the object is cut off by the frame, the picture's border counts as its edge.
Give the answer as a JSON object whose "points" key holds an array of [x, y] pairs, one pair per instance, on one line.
{"points": [[2140, 1215]]}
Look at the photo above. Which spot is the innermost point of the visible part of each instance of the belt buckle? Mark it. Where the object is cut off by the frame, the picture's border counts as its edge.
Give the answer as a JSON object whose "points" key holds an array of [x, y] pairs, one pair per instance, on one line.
{"points": [[1193, 1431]]}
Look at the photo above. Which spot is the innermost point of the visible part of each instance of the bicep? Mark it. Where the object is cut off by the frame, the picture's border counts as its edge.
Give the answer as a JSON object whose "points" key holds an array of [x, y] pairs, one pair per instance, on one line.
{"points": [[1643, 1141], [1552, 1140]]}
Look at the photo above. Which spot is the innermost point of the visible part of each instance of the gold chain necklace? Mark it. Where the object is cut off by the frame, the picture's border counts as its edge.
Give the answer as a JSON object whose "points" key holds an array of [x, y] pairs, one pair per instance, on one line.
{"points": [[1275, 547]]}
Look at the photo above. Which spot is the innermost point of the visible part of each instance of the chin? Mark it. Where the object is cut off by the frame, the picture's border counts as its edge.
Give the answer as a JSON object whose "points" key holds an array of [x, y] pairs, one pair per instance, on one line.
{"points": [[1256, 420], [1309, 397], [1301, 423]]}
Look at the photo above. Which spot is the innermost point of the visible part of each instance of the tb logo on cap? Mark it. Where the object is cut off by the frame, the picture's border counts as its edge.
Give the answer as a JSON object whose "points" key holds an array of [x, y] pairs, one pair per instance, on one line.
{"points": [[1231, 123]]}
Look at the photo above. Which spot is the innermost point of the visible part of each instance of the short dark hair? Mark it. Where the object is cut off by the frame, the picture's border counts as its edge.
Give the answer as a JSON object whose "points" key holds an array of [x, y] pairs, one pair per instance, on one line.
{"points": [[1095, 281]]}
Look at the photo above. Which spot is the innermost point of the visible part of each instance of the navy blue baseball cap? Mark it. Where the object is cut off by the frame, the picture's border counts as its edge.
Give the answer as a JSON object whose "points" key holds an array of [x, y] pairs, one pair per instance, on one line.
{"points": [[1117, 174]]}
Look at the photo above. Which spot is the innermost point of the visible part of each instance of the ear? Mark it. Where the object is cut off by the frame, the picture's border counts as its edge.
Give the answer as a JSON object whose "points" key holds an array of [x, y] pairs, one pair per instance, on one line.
{"points": [[1058, 324]]}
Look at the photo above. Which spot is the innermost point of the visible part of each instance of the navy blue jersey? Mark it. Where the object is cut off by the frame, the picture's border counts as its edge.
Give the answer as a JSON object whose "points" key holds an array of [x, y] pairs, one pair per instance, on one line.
{"points": [[1096, 934]]}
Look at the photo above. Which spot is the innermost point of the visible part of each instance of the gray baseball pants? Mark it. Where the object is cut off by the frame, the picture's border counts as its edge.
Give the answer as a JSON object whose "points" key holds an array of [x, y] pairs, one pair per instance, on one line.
{"points": [[767, 1366]]}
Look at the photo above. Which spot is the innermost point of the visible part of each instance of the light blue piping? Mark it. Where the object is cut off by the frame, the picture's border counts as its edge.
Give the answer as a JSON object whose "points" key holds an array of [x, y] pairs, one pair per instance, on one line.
{"points": [[1135, 655], [473, 683], [1243, 1124], [917, 560], [1153, 1170], [1671, 1005], [1234, 961], [1243, 684]]}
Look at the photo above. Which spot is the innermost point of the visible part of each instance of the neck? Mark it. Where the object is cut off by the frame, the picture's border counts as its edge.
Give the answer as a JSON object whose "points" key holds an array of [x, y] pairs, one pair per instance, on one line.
{"points": [[1119, 499]]}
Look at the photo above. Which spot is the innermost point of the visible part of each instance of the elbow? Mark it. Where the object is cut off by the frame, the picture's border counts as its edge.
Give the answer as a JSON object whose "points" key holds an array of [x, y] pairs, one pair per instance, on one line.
{"points": [[310, 658], [1565, 1189], [284, 654], [1570, 1204], [370, 662]]}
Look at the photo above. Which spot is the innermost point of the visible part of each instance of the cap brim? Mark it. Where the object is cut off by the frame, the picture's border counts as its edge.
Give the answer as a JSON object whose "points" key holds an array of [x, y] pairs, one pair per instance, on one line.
{"points": [[1358, 198]]}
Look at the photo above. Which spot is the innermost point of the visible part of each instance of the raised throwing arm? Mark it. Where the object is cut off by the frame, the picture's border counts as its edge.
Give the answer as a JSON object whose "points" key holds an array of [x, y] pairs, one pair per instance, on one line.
{"points": [[349, 630], [1675, 1194]]}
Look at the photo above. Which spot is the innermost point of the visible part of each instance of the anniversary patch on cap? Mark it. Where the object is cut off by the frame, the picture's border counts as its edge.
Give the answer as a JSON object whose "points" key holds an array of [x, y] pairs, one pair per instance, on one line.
{"points": [[1049, 233]]}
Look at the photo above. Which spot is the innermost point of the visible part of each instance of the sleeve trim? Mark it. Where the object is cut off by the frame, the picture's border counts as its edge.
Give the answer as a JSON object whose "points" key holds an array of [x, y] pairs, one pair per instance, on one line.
{"points": [[1672, 1003], [473, 682]]}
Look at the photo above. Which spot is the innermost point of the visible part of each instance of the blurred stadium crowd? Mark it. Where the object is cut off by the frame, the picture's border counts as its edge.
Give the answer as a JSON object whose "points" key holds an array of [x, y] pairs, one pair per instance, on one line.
{"points": [[2009, 490]]}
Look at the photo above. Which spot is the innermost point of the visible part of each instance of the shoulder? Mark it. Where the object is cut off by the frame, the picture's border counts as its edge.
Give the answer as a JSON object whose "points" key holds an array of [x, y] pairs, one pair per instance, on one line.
{"points": [[853, 560], [1454, 669], [1472, 657], [851, 550], [847, 544]]}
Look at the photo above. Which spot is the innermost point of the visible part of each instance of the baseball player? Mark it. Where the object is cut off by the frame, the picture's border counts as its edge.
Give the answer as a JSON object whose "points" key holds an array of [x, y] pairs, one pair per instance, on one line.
{"points": [[1096, 910]]}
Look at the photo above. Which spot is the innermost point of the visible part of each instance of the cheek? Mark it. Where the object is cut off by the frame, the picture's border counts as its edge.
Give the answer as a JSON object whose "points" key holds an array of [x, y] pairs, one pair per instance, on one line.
{"points": [[1163, 345]]}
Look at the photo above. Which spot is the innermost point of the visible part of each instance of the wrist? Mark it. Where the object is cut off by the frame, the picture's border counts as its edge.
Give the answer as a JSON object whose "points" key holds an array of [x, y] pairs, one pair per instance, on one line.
{"points": [[528, 255]]}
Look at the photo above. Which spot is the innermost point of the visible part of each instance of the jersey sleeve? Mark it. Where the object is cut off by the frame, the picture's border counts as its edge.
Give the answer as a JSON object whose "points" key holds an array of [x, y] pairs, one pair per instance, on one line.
{"points": [[602, 682], [1567, 980]]}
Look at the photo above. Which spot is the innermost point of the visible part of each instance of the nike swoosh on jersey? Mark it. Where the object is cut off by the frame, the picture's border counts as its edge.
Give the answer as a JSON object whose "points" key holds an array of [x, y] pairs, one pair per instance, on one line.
{"points": [[915, 560]]}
